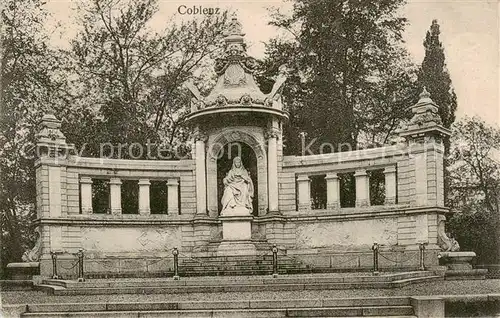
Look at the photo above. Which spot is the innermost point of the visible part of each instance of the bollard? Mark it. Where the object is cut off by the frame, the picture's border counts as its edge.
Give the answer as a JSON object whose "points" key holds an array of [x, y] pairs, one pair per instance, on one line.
{"points": [[54, 265], [375, 248], [175, 252], [81, 278], [421, 248], [275, 261]]}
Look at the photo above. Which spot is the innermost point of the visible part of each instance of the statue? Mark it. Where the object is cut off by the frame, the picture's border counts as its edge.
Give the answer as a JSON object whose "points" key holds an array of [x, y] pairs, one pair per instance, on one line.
{"points": [[238, 190], [445, 242], [34, 254]]}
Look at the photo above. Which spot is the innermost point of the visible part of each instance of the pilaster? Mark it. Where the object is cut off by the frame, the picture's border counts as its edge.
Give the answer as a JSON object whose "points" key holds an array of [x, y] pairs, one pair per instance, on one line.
{"points": [[86, 195]]}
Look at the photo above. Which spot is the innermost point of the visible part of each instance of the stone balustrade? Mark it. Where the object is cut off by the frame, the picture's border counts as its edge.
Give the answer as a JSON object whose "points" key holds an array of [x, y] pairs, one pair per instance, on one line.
{"points": [[333, 188], [358, 167], [78, 179], [144, 198]]}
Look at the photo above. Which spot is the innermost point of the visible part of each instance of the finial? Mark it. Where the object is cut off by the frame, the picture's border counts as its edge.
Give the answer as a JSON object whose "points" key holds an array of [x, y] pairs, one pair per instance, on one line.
{"points": [[425, 97], [425, 93], [234, 27]]}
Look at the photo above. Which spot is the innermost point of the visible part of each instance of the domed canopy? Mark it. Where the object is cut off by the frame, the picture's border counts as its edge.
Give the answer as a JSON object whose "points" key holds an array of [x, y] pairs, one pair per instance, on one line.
{"points": [[236, 89]]}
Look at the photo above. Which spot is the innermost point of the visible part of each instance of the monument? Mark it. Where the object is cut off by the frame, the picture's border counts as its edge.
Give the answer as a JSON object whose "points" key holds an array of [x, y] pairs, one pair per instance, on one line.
{"points": [[238, 194], [236, 212]]}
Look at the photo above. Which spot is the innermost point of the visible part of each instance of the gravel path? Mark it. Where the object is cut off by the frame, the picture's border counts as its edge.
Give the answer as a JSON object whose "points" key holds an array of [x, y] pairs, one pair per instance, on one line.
{"points": [[431, 288]]}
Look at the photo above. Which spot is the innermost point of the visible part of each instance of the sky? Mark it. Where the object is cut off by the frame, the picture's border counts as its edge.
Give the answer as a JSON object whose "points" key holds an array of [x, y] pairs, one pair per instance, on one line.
{"points": [[469, 33]]}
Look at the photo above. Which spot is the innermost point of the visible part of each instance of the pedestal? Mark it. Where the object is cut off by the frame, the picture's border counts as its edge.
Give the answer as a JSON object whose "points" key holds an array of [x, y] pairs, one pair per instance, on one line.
{"points": [[236, 233], [459, 266]]}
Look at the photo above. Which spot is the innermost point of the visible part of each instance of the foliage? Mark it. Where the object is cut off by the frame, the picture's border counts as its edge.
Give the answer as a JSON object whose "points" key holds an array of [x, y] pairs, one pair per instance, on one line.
{"points": [[27, 88], [119, 83], [475, 186], [435, 77], [350, 75], [127, 79]]}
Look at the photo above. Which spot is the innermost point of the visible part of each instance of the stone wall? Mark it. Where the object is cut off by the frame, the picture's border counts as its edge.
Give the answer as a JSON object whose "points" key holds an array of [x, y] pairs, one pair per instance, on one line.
{"points": [[342, 234]]}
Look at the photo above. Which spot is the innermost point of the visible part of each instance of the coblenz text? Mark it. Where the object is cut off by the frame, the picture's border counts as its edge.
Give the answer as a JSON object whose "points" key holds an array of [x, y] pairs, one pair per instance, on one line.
{"points": [[182, 9]]}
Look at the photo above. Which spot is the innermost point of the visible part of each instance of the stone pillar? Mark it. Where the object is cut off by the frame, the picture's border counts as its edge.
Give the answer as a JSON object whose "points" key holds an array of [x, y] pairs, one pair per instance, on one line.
{"points": [[362, 188], [390, 184], [424, 137], [86, 194], [201, 190], [144, 208], [428, 306], [332, 191], [304, 189], [272, 167], [172, 196], [115, 193]]}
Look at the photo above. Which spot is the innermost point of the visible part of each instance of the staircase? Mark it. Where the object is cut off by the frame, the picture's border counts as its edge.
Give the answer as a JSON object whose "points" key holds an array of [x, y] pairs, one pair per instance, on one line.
{"points": [[237, 265], [354, 307]]}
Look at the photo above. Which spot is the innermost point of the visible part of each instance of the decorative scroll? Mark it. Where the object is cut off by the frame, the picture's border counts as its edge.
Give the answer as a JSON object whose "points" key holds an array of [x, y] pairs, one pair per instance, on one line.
{"points": [[446, 243], [34, 254]]}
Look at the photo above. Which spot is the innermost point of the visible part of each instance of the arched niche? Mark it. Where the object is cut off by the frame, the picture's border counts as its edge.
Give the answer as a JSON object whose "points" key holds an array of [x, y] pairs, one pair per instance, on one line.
{"points": [[224, 163], [252, 138]]}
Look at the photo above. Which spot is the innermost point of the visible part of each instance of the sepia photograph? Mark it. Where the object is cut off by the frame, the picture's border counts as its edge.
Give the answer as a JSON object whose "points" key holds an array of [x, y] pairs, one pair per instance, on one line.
{"points": [[265, 158]]}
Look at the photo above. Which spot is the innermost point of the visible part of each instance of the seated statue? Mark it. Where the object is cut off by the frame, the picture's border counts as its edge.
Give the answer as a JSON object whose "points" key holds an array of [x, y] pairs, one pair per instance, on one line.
{"points": [[238, 190]]}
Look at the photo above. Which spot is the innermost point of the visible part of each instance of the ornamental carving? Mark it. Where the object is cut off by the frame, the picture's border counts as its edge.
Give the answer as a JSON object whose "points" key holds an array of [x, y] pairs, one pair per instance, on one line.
{"points": [[246, 100], [234, 28], [272, 133], [221, 100], [426, 117], [200, 135], [34, 254], [446, 243]]}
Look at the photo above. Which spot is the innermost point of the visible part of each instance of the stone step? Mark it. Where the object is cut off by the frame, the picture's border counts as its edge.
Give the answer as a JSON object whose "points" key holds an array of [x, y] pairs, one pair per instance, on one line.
{"points": [[400, 278], [375, 306], [215, 313], [212, 289], [235, 304]]}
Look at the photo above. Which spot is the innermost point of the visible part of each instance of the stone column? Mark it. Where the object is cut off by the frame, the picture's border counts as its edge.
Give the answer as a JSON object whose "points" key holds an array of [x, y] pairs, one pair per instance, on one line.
{"points": [[390, 184], [332, 191], [362, 188], [304, 189], [144, 208], [115, 193], [86, 194], [272, 168], [201, 190], [172, 196]]}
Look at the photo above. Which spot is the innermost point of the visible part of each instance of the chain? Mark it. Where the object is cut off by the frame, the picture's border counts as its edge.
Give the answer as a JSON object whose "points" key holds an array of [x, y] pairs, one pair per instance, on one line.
{"points": [[189, 257], [343, 262], [69, 268], [401, 262], [155, 262]]}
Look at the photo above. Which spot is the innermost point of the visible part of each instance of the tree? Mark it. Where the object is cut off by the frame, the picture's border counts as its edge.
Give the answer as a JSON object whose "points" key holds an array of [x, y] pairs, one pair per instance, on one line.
{"points": [[475, 187], [352, 80], [435, 77], [26, 90], [128, 78]]}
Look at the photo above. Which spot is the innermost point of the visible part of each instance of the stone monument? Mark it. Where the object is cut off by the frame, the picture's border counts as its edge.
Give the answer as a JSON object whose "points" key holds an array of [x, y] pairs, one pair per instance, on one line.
{"points": [[236, 211]]}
